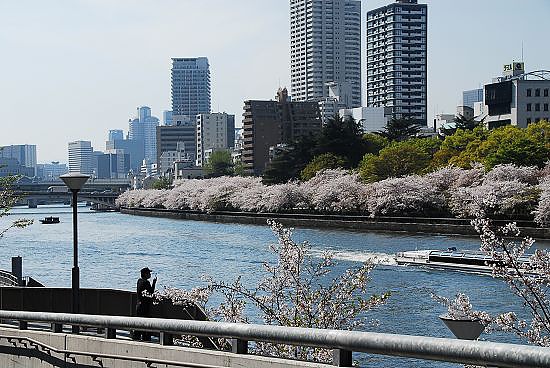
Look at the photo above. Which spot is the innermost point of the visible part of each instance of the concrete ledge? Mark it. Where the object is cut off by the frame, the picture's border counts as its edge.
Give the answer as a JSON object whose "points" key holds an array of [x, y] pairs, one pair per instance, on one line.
{"points": [[19, 356], [438, 226]]}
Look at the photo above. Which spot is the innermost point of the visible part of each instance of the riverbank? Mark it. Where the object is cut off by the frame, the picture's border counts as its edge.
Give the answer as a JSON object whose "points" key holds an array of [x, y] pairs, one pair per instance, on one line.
{"points": [[356, 223]]}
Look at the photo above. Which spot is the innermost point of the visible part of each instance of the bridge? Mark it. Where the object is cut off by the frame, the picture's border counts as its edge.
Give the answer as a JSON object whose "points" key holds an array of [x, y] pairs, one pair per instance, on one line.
{"points": [[100, 200], [102, 193]]}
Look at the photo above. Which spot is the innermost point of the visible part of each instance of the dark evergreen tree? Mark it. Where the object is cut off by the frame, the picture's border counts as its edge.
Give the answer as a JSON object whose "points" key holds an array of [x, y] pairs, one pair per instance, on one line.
{"points": [[400, 129]]}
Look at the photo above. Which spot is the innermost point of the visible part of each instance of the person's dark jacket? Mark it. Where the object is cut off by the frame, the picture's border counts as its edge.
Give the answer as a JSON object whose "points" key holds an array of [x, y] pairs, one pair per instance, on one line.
{"points": [[144, 297]]}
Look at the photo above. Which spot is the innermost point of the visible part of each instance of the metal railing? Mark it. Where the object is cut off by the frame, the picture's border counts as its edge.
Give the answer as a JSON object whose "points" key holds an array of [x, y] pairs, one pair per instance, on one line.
{"points": [[342, 342], [8, 279]]}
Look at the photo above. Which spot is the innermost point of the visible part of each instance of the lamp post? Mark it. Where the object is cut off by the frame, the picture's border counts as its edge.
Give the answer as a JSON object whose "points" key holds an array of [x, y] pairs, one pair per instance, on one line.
{"points": [[75, 181]]}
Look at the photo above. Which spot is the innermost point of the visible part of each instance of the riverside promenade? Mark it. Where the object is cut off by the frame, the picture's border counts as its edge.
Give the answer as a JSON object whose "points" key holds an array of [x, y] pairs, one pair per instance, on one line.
{"points": [[413, 225]]}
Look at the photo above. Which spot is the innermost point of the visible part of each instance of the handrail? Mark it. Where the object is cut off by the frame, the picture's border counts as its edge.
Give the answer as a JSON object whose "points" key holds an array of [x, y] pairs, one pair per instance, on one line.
{"points": [[8, 279], [419, 347], [94, 355]]}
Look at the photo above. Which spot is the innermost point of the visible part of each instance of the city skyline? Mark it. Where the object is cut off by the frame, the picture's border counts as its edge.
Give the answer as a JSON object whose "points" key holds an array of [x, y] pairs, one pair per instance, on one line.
{"points": [[98, 60]]}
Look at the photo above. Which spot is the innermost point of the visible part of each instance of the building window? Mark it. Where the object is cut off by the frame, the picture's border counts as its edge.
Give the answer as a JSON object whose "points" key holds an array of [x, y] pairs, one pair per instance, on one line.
{"points": [[537, 107], [528, 92], [537, 92], [545, 107], [546, 92], [528, 107]]}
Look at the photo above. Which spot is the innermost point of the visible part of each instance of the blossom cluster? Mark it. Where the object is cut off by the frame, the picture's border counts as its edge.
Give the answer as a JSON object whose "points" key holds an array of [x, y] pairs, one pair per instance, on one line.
{"points": [[450, 191]]}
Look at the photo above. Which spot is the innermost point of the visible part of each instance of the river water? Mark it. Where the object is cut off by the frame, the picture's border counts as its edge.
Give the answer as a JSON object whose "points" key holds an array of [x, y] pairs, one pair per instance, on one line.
{"points": [[113, 247]]}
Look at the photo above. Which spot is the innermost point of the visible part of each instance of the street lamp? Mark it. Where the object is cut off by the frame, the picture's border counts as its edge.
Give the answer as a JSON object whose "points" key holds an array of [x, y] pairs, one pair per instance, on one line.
{"points": [[75, 181]]}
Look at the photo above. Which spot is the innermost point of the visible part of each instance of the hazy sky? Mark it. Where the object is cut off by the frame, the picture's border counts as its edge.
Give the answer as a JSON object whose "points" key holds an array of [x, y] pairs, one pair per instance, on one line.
{"points": [[73, 69]]}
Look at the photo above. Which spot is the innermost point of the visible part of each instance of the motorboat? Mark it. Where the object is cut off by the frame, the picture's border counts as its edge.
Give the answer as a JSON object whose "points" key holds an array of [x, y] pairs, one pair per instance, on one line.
{"points": [[470, 261], [50, 220]]}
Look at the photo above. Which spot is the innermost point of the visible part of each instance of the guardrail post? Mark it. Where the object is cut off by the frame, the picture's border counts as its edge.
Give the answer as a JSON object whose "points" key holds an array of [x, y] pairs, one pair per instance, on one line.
{"points": [[341, 358], [23, 325], [110, 333], [166, 338], [57, 327], [239, 346]]}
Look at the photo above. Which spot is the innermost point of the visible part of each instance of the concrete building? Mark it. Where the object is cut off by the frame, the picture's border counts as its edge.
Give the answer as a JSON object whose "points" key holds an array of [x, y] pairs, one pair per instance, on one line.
{"points": [[11, 166], [169, 158], [51, 171], [25, 154], [339, 97], [80, 157], [176, 138], [516, 98], [397, 59], [269, 123], [325, 46], [113, 165], [444, 121], [469, 98], [190, 87], [134, 148], [373, 119], [144, 128], [214, 131]]}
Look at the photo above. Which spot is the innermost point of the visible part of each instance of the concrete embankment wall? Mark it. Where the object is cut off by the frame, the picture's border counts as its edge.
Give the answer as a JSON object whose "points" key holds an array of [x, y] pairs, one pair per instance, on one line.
{"points": [[15, 354], [355, 223]]}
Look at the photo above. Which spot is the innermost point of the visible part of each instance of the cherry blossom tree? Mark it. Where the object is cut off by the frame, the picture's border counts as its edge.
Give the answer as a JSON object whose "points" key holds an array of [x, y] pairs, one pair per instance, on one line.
{"points": [[297, 290]]}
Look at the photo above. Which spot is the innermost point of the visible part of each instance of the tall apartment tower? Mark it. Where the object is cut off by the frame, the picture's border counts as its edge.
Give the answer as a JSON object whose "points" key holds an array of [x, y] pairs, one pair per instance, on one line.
{"points": [[190, 87], [80, 157], [325, 47], [397, 59]]}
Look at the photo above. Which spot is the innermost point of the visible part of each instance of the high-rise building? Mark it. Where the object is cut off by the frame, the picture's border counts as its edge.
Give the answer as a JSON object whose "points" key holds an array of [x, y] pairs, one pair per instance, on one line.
{"points": [[80, 157], [267, 124], [25, 154], [214, 131], [325, 47], [397, 59], [144, 128], [134, 148], [177, 140], [115, 134], [190, 87], [469, 98]]}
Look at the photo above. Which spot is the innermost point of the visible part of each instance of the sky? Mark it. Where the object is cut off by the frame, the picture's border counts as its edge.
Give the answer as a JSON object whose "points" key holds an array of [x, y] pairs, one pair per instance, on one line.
{"points": [[73, 69]]}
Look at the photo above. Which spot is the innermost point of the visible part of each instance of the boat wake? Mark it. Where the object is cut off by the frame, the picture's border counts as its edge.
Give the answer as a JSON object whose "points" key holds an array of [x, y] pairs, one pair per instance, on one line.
{"points": [[358, 256]]}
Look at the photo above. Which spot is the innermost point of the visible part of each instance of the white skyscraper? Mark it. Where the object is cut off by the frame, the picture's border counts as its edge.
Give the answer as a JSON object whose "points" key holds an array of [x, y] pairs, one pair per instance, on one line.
{"points": [[397, 59], [80, 157], [325, 47], [144, 128]]}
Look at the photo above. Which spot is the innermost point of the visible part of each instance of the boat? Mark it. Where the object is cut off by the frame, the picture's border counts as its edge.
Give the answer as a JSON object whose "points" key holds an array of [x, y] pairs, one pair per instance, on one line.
{"points": [[468, 261], [50, 220]]}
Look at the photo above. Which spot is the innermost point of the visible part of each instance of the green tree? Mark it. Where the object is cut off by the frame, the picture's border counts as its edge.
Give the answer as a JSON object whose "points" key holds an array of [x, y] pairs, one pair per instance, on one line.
{"points": [[162, 183], [322, 162], [219, 164], [522, 147], [461, 148], [342, 137], [374, 143], [400, 129], [462, 122], [239, 169], [288, 164], [398, 159]]}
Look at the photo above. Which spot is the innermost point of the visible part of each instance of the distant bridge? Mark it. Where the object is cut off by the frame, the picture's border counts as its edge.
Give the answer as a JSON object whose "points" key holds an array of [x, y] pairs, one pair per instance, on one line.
{"points": [[100, 200]]}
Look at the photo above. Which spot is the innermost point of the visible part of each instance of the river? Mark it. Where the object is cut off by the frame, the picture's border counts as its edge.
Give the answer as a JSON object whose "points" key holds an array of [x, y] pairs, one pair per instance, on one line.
{"points": [[113, 247]]}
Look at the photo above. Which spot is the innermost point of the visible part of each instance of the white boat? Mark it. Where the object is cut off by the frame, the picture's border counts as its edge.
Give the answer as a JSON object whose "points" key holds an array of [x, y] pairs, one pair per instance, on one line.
{"points": [[451, 258]]}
